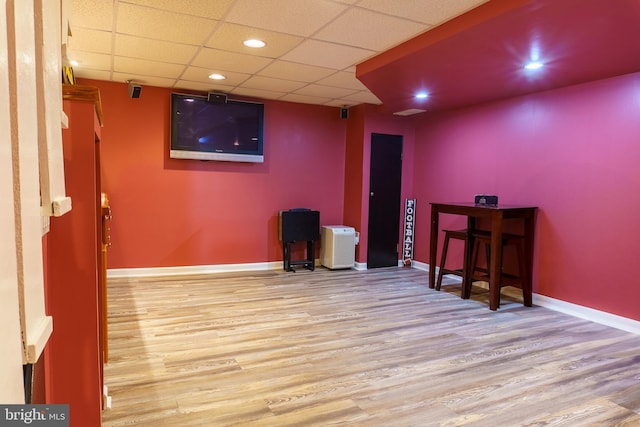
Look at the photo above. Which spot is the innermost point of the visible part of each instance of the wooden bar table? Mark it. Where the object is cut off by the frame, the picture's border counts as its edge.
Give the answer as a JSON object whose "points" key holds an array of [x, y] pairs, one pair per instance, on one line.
{"points": [[496, 214]]}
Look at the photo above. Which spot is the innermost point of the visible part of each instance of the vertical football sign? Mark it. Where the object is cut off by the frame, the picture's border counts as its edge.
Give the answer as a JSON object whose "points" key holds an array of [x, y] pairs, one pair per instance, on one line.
{"points": [[409, 231]]}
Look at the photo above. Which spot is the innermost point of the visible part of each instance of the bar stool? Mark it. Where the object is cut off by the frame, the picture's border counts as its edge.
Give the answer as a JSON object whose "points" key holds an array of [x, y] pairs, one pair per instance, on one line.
{"points": [[442, 270], [482, 274]]}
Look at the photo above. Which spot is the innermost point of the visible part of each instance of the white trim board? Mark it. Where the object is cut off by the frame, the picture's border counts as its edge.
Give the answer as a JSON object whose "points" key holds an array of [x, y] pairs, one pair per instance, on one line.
{"points": [[192, 269], [590, 314]]}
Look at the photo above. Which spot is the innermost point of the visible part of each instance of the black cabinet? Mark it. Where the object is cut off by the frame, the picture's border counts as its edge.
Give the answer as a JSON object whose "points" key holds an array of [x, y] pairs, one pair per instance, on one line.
{"points": [[299, 225]]}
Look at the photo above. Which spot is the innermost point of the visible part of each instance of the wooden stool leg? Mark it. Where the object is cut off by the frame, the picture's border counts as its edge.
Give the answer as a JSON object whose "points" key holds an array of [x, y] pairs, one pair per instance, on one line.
{"points": [[472, 266], [524, 276], [443, 259]]}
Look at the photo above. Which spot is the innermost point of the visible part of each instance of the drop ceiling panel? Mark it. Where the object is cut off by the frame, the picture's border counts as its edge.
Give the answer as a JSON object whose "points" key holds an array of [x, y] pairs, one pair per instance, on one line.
{"points": [[202, 8], [89, 73], [325, 54], [211, 86], [301, 18], [154, 50], [162, 25], [427, 12], [197, 74], [257, 93], [304, 99], [143, 79], [93, 61], [230, 37], [344, 80], [296, 72], [215, 59], [97, 15], [364, 97], [388, 30], [87, 40], [146, 68], [325, 91], [269, 83]]}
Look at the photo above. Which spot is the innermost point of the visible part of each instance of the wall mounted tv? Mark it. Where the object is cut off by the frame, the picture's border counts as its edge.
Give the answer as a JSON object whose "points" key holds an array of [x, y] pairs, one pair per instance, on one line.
{"points": [[204, 130]]}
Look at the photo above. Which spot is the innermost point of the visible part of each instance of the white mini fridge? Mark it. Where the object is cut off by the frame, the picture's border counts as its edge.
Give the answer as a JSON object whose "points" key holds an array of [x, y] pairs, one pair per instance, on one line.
{"points": [[338, 246]]}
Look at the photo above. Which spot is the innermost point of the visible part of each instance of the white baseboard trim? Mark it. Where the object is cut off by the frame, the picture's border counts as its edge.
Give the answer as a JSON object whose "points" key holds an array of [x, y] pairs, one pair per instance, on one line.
{"points": [[597, 316], [192, 269], [360, 266], [582, 312]]}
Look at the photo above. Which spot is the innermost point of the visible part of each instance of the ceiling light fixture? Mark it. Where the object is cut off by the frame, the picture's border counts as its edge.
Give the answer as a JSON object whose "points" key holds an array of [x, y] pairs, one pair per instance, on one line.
{"points": [[533, 65], [421, 95], [255, 43], [216, 76]]}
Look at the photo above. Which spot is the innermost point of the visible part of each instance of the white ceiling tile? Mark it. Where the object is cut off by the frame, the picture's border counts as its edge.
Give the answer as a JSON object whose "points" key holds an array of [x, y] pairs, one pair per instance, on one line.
{"points": [[325, 54], [143, 80], [197, 74], [230, 37], [146, 68], [296, 17], [258, 93], [304, 99], [343, 79], [153, 50], [96, 14], [162, 25], [97, 41], [369, 30], [87, 73], [325, 91], [202, 87], [294, 71], [431, 12], [229, 61], [95, 61], [204, 8], [269, 83], [363, 97]]}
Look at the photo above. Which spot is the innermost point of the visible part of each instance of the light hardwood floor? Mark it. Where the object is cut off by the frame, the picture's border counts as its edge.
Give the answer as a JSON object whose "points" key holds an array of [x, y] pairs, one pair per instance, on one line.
{"points": [[372, 348]]}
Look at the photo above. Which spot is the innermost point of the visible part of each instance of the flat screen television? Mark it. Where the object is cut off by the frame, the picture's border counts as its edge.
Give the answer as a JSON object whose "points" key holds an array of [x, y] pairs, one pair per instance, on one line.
{"points": [[204, 130]]}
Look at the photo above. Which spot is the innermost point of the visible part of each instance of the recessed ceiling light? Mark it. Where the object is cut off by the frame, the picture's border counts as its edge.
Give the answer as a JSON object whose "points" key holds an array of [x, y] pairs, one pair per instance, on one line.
{"points": [[421, 95], [74, 63], [254, 43], [533, 65], [215, 76]]}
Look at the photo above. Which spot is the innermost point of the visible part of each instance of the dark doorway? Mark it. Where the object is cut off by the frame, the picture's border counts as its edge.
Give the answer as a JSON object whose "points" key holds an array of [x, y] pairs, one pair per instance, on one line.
{"points": [[384, 200]]}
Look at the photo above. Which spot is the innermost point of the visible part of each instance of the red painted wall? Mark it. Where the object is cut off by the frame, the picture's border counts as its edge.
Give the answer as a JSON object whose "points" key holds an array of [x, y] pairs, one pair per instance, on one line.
{"points": [[169, 212], [73, 364], [363, 121], [573, 153]]}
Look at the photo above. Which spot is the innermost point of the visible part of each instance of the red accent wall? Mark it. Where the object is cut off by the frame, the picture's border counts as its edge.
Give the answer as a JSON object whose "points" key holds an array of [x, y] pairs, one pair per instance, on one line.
{"points": [[73, 364], [572, 152], [169, 212], [364, 120]]}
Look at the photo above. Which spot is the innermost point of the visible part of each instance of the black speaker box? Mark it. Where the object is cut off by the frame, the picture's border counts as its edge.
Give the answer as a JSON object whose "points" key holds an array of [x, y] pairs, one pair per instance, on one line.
{"points": [[344, 113], [297, 225], [217, 98], [134, 90]]}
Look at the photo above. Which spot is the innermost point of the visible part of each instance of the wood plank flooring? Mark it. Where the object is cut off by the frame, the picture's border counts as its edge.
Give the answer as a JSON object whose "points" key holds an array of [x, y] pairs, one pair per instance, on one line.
{"points": [[348, 348]]}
